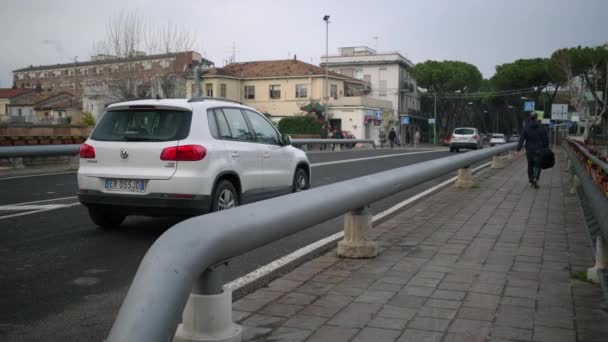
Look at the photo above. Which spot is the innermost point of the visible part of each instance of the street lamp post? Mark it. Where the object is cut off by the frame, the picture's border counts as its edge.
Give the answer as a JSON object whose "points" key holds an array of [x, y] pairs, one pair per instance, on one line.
{"points": [[435, 119], [326, 87]]}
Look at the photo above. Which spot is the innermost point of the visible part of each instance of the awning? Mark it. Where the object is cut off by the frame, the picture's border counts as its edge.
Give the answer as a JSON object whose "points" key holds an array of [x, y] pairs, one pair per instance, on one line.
{"points": [[313, 107]]}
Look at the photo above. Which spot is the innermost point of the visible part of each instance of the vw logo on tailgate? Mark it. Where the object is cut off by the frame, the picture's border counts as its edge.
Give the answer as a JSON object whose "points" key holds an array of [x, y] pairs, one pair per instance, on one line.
{"points": [[124, 154]]}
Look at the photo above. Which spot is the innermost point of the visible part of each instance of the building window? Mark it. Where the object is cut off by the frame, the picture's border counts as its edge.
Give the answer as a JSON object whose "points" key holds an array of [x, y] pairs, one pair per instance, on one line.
{"points": [[333, 90], [275, 92], [19, 111], [382, 88], [367, 78], [301, 91], [223, 90], [249, 92], [209, 89]]}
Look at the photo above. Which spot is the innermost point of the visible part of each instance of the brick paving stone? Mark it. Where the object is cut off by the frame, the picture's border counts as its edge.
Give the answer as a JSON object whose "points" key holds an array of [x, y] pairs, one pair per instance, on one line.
{"points": [[480, 300], [390, 311], [252, 333], [442, 303], [470, 327], [388, 323], [419, 291], [429, 311], [545, 334], [413, 335], [512, 333], [264, 321], [305, 322], [334, 334], [297, 298], [406, 301], [463, 338], [477, 314], [525, 302], [376, 335], [450, 295], [429, 323], [380, 297], [355, 315], [522, 292], [285, 334], [283, 310], [446, 285]]}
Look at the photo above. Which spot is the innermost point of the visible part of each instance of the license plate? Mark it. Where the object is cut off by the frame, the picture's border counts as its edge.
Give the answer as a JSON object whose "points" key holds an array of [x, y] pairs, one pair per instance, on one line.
{"points": [[131, 185]]}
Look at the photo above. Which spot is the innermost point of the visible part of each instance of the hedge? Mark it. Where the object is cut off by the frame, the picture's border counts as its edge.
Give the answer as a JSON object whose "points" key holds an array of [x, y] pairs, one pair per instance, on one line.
{"points": [[300, 125]]}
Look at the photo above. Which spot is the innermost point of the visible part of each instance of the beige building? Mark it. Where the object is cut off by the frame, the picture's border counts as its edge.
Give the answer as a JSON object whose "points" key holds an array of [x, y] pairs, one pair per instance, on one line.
{"points": [[282, 87], [7, 97]]}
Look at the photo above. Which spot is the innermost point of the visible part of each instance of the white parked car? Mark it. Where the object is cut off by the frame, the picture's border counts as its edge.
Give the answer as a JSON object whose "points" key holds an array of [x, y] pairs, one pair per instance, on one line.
{"points": [[497, 139], [175, 157], [465, 137]]}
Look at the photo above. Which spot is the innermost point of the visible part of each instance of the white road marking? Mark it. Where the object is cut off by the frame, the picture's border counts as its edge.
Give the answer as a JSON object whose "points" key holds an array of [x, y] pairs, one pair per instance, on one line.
{"points": [[38, 175], [371, 158], [38, 211], [271, 267], [47, 200], [31, 207]]}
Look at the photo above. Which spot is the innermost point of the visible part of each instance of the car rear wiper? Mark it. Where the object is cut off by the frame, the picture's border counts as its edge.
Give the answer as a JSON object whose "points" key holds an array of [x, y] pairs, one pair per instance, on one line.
{"points": [[140, 138]]}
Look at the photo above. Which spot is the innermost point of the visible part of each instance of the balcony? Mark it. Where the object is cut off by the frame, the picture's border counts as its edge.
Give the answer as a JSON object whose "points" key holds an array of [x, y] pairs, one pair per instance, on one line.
{"points": [[360, 101]]}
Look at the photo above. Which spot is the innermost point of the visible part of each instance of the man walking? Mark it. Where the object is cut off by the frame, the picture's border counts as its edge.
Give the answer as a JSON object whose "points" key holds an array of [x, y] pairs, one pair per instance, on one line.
{"points": [[535, 138], [382, 137], [323, 136], [416, 138], [392, 135]]}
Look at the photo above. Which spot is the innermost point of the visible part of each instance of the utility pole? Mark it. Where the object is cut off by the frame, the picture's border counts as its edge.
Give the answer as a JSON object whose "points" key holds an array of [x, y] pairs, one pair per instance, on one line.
{"points": [[75, 76], [435, 118], [326, 87]]}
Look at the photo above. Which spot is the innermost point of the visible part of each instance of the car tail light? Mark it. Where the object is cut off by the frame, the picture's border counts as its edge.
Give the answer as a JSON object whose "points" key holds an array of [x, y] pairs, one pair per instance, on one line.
{"points": [[184, 153], [87, 151], [452, 137]]}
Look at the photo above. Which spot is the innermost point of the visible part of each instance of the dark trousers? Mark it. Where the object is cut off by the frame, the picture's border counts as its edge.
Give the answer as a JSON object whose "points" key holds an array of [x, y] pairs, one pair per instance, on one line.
{"points": [[392, 143], [533, 164]]}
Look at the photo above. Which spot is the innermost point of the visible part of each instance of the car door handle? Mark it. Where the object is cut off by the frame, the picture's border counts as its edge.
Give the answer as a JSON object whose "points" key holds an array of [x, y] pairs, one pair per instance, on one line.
{"points": [[266, 155], [235, 154]]}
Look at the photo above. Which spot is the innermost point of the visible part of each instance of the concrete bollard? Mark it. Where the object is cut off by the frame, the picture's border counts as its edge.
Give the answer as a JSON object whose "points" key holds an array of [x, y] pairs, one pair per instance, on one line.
{"points": [[575, 184], [356, 243], [601, 259], [465, 179], [209, 318], [497, 162]]}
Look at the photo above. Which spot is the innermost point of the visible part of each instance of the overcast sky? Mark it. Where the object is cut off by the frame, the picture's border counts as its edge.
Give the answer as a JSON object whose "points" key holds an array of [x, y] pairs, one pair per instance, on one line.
{"points": [[482, 32]]}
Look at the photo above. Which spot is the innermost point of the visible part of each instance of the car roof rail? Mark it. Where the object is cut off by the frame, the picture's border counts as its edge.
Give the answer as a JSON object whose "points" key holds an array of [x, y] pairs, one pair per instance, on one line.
{"points": [[204, 98]]}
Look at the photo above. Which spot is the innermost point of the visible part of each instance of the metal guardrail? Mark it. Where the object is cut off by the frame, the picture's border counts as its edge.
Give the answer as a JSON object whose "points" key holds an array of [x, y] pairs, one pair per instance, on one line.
{"points": [[588, 154], [332, 141], [597, 201], [182, 259], [39, 150]]}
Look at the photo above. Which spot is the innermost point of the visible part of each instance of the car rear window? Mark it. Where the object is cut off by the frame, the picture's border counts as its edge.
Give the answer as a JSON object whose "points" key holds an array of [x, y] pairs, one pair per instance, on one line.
{"points": [[143, 125], [498, 136], [464, 131]]}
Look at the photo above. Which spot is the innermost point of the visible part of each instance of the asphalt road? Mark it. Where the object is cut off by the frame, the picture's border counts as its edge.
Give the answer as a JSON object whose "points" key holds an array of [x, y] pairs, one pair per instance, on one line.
{"points": [[62, 279]]}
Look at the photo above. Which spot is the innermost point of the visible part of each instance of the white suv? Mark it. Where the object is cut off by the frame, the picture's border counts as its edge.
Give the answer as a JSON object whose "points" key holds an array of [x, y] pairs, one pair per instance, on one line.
{"points": [[465, 137], [176, 157]]}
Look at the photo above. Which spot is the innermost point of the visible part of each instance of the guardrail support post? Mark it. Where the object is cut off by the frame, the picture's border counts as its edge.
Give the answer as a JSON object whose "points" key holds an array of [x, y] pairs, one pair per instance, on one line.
{"points": [[497, 162], [601, 259], [18, 163], [568, 164], [208, 314], [465, 178], [356, 243], [510, 156], [575, 184]]}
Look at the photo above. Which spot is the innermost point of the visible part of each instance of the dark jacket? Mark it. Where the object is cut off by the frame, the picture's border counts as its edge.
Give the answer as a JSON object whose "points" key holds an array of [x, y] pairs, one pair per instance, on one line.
{"points": [[337, 135], [392, 135], [534, 136]]}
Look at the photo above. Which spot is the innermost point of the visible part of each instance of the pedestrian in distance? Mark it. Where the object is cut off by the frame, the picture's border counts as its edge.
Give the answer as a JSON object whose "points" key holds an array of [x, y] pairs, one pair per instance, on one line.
{"points": [[323, 136], [382, 137], [535, 139], [337, 135], [392, 136], [416, 138]]}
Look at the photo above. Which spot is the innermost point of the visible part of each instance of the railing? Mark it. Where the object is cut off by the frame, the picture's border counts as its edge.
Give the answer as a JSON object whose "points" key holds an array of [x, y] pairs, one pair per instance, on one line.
{"points": [[298, 142], [597, 200], [39, 150], [185, 258]]}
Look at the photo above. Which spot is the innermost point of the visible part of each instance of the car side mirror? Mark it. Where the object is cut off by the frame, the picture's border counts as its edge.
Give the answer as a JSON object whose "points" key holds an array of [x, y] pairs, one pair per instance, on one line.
{"points": [[286, 140]]}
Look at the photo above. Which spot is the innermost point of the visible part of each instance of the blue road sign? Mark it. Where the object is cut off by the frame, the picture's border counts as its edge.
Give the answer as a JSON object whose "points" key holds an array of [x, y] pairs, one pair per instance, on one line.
{"points": [[529, 106], [405, 120]]}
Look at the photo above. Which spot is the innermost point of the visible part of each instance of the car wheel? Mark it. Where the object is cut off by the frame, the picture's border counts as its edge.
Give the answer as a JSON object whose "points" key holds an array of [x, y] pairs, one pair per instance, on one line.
{"points": [[105, 218], [300, 181], [225, 196], [451, 149]]}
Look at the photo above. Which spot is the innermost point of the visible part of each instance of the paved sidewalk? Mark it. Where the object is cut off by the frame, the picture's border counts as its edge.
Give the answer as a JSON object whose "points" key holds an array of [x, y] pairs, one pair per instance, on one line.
{"points": [[494, 263]]}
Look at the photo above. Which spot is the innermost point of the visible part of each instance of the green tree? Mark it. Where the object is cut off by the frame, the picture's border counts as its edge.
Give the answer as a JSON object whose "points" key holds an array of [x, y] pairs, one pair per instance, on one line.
{"points": [[446, 79], [88, 119], [585, 70]]}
